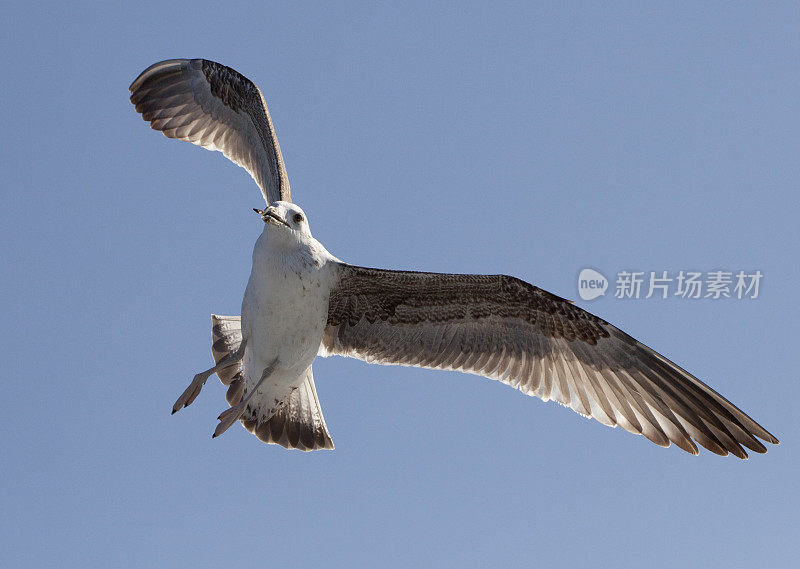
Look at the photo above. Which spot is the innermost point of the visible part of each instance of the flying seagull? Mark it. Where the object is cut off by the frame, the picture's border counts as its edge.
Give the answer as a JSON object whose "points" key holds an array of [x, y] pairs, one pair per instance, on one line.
{"points": [[302, 302]]}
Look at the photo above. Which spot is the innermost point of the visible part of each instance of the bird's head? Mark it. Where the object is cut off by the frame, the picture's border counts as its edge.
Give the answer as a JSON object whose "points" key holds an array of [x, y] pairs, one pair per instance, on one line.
{"points": [[285, 219]]}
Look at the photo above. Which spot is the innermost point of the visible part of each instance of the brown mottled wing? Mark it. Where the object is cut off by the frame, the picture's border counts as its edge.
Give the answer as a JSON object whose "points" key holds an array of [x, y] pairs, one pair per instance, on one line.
{"points": [[215, 107], [299, 423], [506, 329]]}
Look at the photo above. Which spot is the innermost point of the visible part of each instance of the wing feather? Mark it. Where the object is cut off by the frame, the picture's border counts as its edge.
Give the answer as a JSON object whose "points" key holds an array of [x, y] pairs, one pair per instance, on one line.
{"points": [[215, 107], [506, 329]]}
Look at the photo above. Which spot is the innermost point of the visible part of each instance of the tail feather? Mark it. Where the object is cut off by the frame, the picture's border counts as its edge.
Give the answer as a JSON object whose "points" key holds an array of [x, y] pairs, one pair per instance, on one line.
{"points": [[298, 424]]}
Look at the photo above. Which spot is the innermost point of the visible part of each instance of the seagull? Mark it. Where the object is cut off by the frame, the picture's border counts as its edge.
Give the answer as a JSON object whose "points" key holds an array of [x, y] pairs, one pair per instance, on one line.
{"points": [[302, 302]]}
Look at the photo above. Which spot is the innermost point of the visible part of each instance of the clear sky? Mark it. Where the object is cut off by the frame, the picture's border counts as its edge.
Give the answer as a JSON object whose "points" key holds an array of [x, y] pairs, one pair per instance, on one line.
{"points": [[532, 140]]}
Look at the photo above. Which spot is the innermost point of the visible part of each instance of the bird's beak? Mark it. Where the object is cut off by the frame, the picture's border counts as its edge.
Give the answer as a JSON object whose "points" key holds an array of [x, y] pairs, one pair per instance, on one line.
{"points": [[269, 216]]}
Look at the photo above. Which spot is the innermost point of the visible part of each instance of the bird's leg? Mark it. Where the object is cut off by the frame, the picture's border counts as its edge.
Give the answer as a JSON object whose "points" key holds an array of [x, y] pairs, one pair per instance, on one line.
{"points": [[199, 380], [230, 416]]}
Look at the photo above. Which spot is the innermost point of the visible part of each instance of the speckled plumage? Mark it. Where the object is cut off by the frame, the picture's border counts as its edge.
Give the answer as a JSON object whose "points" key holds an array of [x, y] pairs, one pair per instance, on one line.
{"points": [[506, 329]]}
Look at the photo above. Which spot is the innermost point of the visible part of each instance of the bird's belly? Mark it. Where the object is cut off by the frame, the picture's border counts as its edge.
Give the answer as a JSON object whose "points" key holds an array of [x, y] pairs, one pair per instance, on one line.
{"points": [[283, 318]]}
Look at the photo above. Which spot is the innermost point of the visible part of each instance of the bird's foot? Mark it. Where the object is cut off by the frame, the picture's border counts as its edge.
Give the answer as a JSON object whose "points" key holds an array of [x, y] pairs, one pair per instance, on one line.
{"points": [[191, 392], [228, 417], [199, 380]]}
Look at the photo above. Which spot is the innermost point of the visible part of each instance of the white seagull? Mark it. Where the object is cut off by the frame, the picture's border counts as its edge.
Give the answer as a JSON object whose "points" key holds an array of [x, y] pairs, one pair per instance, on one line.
{"points": [[302, 302]]}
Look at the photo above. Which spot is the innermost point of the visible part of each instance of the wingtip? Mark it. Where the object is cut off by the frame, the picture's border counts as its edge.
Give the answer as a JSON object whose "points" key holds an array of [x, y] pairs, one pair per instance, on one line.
{"points": [[156, 67]]}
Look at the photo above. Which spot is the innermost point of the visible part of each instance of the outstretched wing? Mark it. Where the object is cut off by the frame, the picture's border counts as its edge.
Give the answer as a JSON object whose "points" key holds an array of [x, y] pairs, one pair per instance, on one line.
{"points": [[215, 107], [506, 329]]}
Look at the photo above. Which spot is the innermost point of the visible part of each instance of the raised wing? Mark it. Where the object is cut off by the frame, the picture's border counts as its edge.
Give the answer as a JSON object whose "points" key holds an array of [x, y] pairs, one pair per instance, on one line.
{"points": [[506, 329], [215, 107]]}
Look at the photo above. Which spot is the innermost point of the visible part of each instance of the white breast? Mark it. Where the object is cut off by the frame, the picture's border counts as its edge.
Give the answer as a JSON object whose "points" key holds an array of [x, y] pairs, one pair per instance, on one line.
{"points": [[285, 307]]}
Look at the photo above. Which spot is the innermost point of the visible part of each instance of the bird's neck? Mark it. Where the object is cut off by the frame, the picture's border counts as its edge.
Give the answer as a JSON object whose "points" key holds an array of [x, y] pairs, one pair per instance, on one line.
{"points": [[275, 252]]}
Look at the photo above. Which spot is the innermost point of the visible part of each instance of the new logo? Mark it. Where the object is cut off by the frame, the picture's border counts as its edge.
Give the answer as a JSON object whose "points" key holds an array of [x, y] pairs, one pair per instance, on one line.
{"points": [[591, 284]]}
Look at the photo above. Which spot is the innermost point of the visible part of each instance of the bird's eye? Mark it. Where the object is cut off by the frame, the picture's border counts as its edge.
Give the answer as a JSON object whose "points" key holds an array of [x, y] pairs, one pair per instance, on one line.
{"points": [[298, 217]]}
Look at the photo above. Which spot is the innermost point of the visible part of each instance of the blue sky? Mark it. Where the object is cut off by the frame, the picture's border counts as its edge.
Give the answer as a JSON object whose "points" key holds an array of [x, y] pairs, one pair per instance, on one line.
{"points": [[533, 140]]}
